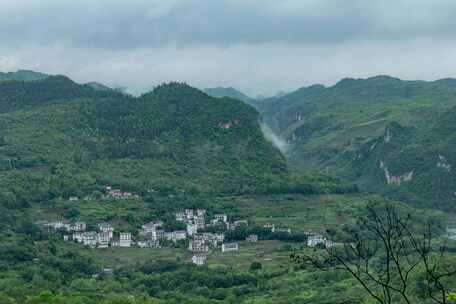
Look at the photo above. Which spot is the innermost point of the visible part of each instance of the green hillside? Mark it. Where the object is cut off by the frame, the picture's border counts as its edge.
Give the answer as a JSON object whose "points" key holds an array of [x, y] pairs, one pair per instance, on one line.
{"points": [[61, 139], [330, 127], [176, 147], [424, 153]]}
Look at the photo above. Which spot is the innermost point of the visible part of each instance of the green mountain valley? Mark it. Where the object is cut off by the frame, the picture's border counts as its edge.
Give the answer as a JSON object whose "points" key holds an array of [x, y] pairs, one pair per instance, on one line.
{"points": [[181, 196], [350, 129]]}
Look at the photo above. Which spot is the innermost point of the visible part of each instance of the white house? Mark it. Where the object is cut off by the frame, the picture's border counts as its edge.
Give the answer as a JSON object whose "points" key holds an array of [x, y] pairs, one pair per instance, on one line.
{"points": [[220, 237], [228, 247], [90, 239], [103, 239], [221, 217], [179, 235], [189, 214], [180, 216], [148, 244], [329, 243], [77, 236], [253, 238], [199, 259], [315, 239], [198, 245], [269, 226], [125, 239], [150, 229], [191, 229], [160, 234], [154, 243], [200, 212], [106, 228], [78, 226], [200, 222]]}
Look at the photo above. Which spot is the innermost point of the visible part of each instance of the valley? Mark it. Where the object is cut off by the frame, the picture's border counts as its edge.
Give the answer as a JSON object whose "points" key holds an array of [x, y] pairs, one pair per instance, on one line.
{"points": [[350, 129], [74, 153]]}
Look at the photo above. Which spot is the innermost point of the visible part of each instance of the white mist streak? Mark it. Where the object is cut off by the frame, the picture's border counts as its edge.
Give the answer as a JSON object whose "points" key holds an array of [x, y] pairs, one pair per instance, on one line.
{"points": [[280, 143]]}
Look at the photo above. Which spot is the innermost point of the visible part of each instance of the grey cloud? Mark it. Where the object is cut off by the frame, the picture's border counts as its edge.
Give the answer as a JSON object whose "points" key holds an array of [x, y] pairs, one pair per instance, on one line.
{"points": [[258, 46], [116, 24]]}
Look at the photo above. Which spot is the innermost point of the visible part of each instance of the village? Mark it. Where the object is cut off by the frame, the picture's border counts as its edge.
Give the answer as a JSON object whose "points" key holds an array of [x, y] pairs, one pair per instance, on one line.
{"points": [[196, 238]]}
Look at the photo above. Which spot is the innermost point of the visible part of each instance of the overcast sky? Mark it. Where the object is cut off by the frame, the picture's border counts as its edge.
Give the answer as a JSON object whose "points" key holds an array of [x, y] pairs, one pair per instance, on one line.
{"points": [[258, 46]]}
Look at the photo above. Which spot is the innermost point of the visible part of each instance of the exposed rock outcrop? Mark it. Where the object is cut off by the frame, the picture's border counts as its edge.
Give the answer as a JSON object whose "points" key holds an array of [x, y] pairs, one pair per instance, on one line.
{"points": [[393, 179]]}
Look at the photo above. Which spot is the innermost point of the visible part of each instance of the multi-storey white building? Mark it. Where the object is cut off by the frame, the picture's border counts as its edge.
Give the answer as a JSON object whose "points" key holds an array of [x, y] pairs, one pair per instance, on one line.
{"points": [[125, 239], [178, 235], [191, 229], [315, 239], [198, 245], [200, 222], [220, 237], [189, 214], [200, 212], [199, 259], [103, 239], [90, 239], [160, 234], [106, 228], [221, 217], [77, 236], [78, 226], [150, 229]]}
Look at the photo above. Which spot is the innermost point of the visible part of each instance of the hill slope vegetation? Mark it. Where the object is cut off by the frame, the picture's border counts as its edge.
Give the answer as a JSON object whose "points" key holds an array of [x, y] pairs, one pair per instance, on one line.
{"points": [[331, 128]]}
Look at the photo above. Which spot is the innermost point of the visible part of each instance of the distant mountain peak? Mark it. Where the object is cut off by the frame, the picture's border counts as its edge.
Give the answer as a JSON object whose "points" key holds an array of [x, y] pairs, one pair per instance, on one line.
{"points": [[22, 75], [348, 81], [98, 86], [228, 92]]}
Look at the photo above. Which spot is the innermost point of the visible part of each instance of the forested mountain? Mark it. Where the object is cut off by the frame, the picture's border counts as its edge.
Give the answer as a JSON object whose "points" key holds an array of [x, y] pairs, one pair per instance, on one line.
{"points": [[332, 129], [59, 138], [22, 75], [416, 162], [17, 95]]}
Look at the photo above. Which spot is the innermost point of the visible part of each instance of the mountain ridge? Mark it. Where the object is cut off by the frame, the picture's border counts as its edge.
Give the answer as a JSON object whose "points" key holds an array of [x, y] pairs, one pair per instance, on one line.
{"points": [[328, 128]]}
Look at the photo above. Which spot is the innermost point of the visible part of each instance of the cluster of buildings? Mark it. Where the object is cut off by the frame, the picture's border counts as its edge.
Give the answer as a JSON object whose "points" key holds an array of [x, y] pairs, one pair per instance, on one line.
{"points": [[201, 242], [149, 236], [102, 238], [152, 234], [196, 220], [112, 193]]}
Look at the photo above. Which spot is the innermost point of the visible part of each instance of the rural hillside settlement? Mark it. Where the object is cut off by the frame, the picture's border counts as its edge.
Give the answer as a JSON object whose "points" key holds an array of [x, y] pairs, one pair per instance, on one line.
{"points": [[227, 152]]}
